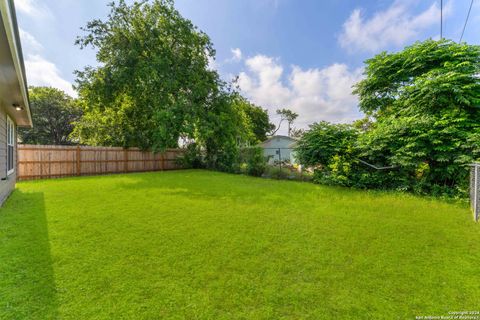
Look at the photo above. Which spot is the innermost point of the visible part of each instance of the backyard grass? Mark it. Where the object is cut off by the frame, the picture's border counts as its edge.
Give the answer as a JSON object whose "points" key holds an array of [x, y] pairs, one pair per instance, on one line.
{"points": [[205, 245]]}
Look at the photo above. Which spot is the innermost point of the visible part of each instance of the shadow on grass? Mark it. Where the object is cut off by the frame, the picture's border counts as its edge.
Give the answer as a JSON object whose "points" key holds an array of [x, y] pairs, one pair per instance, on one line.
{"points": [[27, 285]]}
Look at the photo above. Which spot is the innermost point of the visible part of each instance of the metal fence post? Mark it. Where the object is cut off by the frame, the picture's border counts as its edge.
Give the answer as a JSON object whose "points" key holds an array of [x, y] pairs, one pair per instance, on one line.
{"points": [[475, 202], [474, 189], [280, 161]]}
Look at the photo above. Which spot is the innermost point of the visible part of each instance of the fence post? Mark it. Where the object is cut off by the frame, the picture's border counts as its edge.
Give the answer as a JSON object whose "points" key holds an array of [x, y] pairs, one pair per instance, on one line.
{"points": [[125, 160], [475, 193], [474, 190], [41, 164], [280, 161], [58, 161], [79, 167]]}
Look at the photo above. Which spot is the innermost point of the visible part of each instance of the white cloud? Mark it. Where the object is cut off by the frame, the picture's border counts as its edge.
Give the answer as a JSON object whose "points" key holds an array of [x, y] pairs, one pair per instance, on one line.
{"points": [[394, 26], [33, 9], [41, 72], [29, 43], [264, 85], [236, 54], [315, 94], [25, 6]]}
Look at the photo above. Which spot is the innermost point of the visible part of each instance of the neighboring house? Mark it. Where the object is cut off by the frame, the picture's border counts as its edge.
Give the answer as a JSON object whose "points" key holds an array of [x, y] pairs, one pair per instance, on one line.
{"points": [[279, 148], [14, 108]]}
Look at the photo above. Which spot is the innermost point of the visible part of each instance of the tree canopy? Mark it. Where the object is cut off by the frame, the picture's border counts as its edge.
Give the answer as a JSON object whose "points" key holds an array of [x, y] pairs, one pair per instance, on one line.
{"points": [[152, 84], [427, 77], [285, 115], [257, 119], [153, 88], [323, 141], [53, 115], [423, 108]]}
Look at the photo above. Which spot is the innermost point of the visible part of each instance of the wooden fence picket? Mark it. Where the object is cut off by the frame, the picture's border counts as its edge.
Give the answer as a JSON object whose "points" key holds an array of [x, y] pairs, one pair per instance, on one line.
{"points": [[44, 161]]}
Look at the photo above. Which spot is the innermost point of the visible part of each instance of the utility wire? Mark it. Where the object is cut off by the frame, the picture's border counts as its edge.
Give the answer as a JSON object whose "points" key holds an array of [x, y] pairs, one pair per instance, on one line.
{"points": [[441, 19], [375, 167], [466, 20]]}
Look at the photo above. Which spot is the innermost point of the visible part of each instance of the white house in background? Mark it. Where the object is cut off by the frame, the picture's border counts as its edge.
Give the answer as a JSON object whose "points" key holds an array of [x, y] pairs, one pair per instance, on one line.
{"points": [[14, 108], [278, 148]]}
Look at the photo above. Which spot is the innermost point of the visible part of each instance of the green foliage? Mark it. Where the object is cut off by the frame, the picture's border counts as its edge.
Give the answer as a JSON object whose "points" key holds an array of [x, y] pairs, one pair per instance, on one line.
{"points": [[248, 160], [257, 119], [277, 172], [53, 115], [423, 123], [425, 100], [363, 125], [152, 84], [323, 141], [255, 161], [296, 133], [192, 157], [220, 130], [286, 173], [285, 115], [153, 87], [426, 77], [444, 144]]}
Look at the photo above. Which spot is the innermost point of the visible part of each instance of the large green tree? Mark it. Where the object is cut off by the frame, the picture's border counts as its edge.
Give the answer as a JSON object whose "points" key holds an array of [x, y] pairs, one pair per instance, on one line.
{"points": [[53, 115], [323, 141], [152, 84], [425, 101], [256, 119], [422, 127]]}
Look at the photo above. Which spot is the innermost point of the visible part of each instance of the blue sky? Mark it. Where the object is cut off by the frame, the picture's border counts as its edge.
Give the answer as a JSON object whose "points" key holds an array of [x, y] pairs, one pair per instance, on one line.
{"points": [[300, 54]]}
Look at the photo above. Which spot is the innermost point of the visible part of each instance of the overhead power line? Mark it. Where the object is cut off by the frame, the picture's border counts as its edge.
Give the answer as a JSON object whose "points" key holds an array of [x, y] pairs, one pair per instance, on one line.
{"points": [[375, 167], [441, 19], [466, 20]]}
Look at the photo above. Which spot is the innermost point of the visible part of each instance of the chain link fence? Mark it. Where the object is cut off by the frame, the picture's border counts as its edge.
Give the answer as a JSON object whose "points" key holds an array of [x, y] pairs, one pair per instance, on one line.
{"points": [[282, 164], [475, 190]]}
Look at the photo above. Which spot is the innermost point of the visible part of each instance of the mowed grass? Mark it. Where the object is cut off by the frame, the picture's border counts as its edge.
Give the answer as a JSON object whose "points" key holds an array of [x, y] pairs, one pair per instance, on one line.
{"points": [[206, 245]]}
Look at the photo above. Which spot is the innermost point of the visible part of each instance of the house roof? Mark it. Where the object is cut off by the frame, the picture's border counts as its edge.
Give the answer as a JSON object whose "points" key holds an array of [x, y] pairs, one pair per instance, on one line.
{"points": [[279, 136], [13, 84]]}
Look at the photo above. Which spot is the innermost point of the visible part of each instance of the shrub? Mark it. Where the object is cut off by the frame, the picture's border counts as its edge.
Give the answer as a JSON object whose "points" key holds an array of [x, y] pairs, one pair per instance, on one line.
{"points": [[226, 160], [253, 160], [287, 173], [323, 141], [277, 173], [192, 157]]}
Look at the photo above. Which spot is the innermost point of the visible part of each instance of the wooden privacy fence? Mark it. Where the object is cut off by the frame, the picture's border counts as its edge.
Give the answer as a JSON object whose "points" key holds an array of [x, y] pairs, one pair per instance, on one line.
{"points": [[40, 161]]}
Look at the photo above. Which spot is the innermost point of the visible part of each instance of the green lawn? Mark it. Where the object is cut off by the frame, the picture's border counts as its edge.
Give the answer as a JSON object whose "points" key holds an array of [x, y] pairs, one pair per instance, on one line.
{"points": [[206, 245]]}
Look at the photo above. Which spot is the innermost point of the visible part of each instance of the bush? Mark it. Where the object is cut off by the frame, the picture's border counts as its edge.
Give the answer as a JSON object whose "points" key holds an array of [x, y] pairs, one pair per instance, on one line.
{"points": [[335, 152], [192, 157], [287, 173], [277, 173], [253, 161], [226, 160], [323, 141]]}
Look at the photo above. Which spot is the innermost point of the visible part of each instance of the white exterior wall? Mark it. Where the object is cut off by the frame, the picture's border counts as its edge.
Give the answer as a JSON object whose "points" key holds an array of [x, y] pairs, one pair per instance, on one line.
{"points": [[13, 91], [271, 146], [7, 182]]}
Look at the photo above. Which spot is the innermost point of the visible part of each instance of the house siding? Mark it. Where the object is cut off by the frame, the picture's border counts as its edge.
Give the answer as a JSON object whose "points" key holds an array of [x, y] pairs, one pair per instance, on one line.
{"points": [[7, 183], [271, 146]]}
